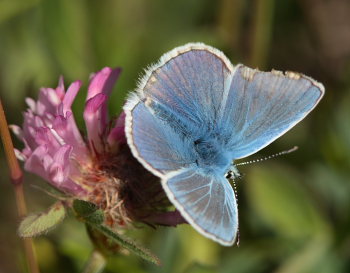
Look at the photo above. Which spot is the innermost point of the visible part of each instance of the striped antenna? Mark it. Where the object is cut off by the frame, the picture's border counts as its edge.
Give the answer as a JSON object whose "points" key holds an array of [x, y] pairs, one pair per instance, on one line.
{"points": [[268, 157]]}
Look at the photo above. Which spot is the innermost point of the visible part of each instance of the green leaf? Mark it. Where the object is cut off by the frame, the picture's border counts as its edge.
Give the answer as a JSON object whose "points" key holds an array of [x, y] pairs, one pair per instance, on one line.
{"points": [[126, 243], [37, 224], [88, 212]]}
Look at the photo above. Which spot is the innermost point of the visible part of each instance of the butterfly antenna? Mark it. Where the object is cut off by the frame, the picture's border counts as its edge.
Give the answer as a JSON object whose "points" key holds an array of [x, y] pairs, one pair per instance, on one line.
{"points": [[268, 157], [236, 194]]}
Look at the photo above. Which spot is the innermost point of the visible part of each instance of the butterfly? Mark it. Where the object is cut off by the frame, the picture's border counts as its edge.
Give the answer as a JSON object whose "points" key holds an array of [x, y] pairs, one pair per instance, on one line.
{"points": [[194, 113]]}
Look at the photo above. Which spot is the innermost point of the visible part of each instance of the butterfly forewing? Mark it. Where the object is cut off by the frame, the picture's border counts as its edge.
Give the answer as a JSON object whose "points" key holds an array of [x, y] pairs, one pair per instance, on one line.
{"points": [[154, 142], [261, 106], [191, 84]]}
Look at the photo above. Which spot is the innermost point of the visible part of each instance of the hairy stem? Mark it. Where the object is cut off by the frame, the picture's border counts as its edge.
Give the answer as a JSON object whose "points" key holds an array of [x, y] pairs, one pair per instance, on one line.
{"points": [[16, 177]]}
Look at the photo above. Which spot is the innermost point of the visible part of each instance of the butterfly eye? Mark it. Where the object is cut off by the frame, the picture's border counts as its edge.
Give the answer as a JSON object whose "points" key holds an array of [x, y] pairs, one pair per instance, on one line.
{"points": [[228, 175]]}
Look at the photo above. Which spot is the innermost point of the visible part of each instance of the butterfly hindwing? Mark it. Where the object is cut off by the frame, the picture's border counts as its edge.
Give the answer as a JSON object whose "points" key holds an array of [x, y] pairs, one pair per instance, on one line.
{"points": [[207, 201]]}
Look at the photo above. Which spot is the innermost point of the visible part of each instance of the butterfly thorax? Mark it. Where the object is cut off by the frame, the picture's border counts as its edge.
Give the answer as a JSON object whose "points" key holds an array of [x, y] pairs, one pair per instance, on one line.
{"points": [[210, 155]]}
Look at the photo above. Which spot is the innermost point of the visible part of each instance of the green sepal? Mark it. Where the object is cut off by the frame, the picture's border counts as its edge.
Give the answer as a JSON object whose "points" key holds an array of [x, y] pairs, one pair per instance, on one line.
{"points": [[37, 224], [84, 208], [88, 212], [125, 242], [94, 217], [52, 191]]}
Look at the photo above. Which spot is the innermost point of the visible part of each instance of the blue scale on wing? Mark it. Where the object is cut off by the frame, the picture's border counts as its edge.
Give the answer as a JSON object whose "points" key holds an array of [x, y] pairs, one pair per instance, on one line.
{"points": [[208, 201], [191, 84], [152, 136], [165, 114], [262, 108]]}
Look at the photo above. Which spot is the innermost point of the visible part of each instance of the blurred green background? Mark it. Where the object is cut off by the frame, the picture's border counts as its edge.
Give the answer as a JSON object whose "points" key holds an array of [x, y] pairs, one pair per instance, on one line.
{"points": [[294, 210]]}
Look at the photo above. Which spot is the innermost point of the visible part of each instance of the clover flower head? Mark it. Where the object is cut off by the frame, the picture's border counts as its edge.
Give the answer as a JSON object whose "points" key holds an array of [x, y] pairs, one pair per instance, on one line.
{"points": [[98, 167]]}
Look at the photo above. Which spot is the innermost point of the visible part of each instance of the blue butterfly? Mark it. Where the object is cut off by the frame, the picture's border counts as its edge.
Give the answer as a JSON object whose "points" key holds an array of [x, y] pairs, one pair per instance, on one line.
{"points": [[194, 113]]}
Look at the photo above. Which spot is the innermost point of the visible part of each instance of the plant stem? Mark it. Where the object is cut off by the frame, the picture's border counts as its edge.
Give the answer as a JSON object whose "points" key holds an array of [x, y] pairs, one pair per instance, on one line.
{"points": [[262, 32], [16, 176], [230, 21], [96, 263]]}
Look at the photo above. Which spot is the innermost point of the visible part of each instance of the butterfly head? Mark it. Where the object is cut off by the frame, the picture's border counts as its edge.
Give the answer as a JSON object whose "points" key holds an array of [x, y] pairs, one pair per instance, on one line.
{"points": [[233, 172]]}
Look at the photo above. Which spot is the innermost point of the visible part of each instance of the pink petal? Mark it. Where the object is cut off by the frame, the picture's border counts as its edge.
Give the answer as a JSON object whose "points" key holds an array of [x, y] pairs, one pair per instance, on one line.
{"points": [[20, 156], [38, 122], [117, 134], [31, 104], [45, 137], [66, 128], [48, 101], [94, 123], [59, 169], [70, 95], [51, 169], [70, 187], [17, 131], [169, 218], [103, 82], [60, 88], [27, 152], [35, 163], [29, 132], [94, 104]]}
